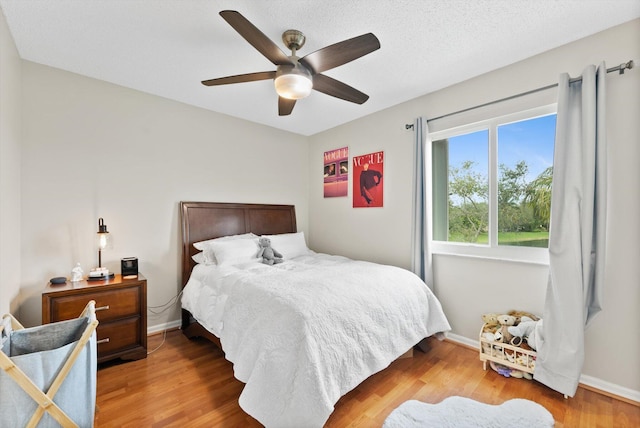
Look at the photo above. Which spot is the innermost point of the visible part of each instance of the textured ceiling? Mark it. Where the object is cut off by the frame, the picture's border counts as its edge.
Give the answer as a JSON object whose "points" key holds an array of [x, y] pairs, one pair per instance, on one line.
{"points": [[166, 47]]}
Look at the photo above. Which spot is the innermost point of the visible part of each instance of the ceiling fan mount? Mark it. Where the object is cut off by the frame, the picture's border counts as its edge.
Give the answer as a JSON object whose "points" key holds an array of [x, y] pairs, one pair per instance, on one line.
{"points": [[294, 77], [293, 39]]}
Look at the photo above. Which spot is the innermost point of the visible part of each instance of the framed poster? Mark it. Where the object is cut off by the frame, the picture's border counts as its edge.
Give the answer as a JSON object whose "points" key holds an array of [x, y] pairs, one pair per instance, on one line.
{"points": [[336, 172], [367, 180]]}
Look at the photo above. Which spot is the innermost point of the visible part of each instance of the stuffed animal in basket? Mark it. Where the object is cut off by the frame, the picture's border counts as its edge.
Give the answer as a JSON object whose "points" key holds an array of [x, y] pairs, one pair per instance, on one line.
{"points": [[490, 321], [505, 322], [520, 314], [489, 330], [509, 372], [528, 329], [269, 255]]}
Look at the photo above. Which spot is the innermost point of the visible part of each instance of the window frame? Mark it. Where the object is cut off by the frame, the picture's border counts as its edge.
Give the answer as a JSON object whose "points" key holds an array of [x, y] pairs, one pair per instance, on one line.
{"points": [[492, 249]]}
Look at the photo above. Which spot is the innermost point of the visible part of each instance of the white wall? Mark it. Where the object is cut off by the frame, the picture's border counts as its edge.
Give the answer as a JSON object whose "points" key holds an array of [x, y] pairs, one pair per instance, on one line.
{"points": [[10, 136], [92, 149], [469, 287]]}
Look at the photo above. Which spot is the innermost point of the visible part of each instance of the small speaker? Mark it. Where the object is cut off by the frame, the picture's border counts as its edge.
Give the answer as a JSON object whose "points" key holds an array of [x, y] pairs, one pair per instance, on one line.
{"points": [[129, 266]]}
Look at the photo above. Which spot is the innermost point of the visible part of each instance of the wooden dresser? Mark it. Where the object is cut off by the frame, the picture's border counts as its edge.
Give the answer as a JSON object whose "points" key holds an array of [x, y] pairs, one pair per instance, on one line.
{"points": [[121, 308]]}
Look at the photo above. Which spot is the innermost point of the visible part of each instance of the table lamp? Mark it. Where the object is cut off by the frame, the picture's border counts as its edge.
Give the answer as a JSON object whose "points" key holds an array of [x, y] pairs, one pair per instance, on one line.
{"points": [[103, 241]]}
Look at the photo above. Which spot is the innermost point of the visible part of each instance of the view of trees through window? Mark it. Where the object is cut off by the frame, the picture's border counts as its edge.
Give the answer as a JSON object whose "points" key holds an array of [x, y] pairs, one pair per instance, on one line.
{"points": [[524, 159]]}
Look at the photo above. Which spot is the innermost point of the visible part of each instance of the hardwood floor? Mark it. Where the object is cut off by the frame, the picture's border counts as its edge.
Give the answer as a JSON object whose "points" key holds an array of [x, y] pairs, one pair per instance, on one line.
{"points": [[188, 383]]}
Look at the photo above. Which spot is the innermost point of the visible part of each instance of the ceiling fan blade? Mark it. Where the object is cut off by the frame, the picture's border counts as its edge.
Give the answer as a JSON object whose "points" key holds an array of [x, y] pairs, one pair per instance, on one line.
{"points": [[285, 106], [335, 88], [255, 37], [340, 53], [240, 78]]}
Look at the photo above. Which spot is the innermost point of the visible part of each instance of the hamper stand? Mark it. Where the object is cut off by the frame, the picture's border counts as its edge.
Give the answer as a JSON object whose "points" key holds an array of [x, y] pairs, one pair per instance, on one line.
{"points": [[36, 362]]}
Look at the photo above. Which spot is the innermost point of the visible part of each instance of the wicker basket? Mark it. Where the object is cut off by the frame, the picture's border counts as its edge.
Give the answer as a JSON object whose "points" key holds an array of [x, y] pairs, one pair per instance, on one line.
{"points": [[506, 354]]}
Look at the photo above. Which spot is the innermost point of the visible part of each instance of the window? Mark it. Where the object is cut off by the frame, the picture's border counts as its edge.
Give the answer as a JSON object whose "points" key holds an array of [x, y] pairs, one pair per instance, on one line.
{"points": [[491, 183]]}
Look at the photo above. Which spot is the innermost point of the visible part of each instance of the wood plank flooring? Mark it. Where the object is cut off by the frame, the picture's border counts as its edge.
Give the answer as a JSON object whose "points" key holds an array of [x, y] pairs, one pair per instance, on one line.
{"points": [[188, 383]]}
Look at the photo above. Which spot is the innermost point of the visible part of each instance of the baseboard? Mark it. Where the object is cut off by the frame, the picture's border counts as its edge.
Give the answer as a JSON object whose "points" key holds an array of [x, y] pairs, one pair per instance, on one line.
{"points": [[588, 382], [610, 389], [465, 341], [159, 328]]}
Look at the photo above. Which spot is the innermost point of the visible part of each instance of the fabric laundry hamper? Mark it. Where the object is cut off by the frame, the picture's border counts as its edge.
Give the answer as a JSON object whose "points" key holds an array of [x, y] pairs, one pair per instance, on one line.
{"points": [[48, 376]]}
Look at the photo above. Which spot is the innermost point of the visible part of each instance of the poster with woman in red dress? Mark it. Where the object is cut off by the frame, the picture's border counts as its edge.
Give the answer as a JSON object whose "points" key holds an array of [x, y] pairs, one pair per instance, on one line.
{"points": [[367, 180]]}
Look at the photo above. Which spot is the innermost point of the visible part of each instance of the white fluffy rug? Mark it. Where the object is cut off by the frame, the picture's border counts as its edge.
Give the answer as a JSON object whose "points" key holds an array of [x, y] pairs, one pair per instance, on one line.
{"points": [[464, 412]]}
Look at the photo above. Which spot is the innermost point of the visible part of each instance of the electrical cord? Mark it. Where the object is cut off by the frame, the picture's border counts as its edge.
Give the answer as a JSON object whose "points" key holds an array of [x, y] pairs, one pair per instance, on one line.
{"points": [[172, 302], [164, 337]]}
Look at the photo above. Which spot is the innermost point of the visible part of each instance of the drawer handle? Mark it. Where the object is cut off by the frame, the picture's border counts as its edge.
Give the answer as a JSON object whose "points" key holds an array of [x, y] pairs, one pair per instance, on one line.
{"points": [[103, 341], [102, 308]]}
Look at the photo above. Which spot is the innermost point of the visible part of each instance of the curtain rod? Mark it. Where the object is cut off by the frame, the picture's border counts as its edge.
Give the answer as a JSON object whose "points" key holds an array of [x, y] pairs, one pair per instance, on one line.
{"points": [[619, 68]]}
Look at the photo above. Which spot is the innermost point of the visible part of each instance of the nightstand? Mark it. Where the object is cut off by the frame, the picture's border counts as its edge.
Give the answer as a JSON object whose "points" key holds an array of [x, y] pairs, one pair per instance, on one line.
{"points": [[121, 308]]}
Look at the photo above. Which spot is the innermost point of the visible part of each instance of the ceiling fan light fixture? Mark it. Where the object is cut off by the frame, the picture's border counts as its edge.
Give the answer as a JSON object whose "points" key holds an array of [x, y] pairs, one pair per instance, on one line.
{"points": [[295, 77], [293, 83]]}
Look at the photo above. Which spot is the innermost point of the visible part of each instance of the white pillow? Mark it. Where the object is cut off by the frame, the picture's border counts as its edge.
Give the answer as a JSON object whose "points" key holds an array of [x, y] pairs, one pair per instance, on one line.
{"points": [[207, 256], [290, 245], [200, 258], [234, 251], [203, 244]]}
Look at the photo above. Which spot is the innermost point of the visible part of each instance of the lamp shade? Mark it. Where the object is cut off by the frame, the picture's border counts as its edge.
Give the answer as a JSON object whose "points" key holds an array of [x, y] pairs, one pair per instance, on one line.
{"points": [[293, 82], [103, 238]]}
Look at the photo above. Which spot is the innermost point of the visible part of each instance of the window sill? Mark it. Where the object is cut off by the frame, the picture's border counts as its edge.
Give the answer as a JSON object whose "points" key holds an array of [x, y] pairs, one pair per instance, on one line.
{"points": [[528, 255]]}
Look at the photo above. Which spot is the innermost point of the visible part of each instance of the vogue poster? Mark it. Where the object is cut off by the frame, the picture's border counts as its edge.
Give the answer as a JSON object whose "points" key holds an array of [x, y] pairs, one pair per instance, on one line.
{"points": [[336, 172], [368, 171]]}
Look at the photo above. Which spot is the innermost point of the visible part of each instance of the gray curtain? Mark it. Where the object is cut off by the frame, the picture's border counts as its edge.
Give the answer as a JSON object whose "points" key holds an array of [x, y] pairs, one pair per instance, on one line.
{"points": [[421, 231], [577, 235]]}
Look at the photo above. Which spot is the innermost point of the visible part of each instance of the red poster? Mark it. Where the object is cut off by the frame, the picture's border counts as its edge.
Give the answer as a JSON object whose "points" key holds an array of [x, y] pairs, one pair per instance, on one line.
{"points": [[367, 180], [336, 172]]}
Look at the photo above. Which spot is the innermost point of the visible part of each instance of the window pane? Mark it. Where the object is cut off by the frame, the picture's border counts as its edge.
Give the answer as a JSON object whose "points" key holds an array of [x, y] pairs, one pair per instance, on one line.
{"points": [[525, 169], [460, 191]]}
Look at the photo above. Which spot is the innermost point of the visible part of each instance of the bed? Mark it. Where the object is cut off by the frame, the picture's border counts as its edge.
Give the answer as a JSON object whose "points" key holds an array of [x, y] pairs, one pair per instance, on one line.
{"points": [[301, 333]]}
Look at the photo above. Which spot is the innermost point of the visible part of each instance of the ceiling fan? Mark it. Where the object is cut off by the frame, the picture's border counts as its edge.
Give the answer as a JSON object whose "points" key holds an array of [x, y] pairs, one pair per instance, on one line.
{"points": [[295, 77]]}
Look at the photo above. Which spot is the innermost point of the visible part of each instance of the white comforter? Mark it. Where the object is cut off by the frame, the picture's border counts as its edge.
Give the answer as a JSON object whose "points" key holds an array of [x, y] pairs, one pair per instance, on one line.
{"points": [[305, 332]]}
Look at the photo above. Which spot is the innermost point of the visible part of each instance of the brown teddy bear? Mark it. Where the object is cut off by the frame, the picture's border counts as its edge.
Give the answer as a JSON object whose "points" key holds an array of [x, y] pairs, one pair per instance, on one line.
{"points": [[491, 324], [505, 322]]}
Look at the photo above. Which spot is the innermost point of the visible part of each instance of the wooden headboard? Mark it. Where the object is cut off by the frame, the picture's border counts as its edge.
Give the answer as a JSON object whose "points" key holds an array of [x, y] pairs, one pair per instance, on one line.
{"points": [[208, 220]]}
